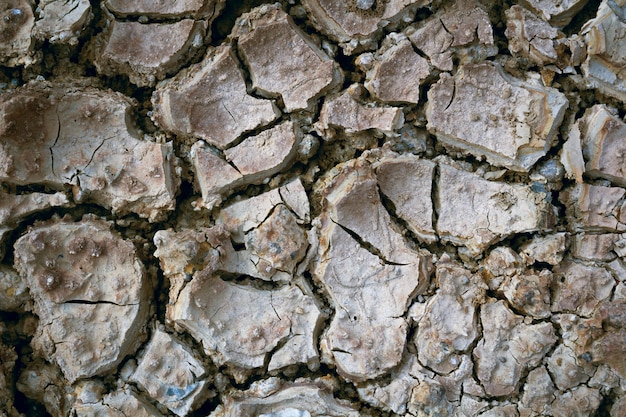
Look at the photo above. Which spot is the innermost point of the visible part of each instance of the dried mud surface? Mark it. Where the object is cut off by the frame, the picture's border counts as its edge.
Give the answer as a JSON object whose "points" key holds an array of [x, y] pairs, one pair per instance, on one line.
{"points": [[312, 208]]}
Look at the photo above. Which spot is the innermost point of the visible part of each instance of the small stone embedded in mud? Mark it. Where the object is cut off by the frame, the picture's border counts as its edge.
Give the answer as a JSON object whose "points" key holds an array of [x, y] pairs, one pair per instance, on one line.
{"points": [[399, 208]]}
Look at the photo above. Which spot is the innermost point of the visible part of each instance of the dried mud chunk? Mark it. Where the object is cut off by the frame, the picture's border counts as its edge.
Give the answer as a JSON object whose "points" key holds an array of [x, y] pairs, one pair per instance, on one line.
{"points": [[165, 9], [580, 288], [529, 293], [477, 213], [242, 327], [209, 101], [266, 153], [531, 37], [355, 21], [348, 114], [300, 75], [395, 73], [463, 29], [538, 394], [548, 249], [510, 122], [407, 181], [62, 21], [270, 227], [188, 252], [243, 216], [608, 348], [176, 382], [279, 241], [213, 175], [594, 247], [298, 400], [15, 208], [89, 292], [394, 395], [602, 135], [121, 403], [606, 50], [43, 382], [83, 137], [580, 401], [557, 12], [449, 324], [567, 369], [14, 295], [250, 162], [508, 348], [369, 271], [16, 21], [594, 208], [149, 52]]}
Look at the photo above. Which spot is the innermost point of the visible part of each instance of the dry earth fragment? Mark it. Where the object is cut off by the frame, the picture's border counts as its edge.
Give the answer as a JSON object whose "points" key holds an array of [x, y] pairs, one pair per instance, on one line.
{"points": [[477, 213], [270, 226], [531, 37], [15, 208], [548, 249], [487, 113], [594, 247], [89, 292], [188, 252], [299, 399], [148, 52], [353, 24], [449, 324], [121, 403], [508, 347], [176, 380], [250, 162], [244, 215], [165, 9], [346, 113], [529, 292], [14, 295], [606, 49], [83, 137], [209, 101], [62, 21], [595, 208], [300, 75], [43, 382], [603, 147], [538, 394], [16, 21], [557, 12], [242, 327], [463, 30], [369, 271], [580, 288], [407, 181], [394, 74]]}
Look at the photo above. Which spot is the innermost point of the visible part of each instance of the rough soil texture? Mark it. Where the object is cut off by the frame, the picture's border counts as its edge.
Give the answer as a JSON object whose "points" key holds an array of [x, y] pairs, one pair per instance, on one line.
{"points": [[313, 208]]}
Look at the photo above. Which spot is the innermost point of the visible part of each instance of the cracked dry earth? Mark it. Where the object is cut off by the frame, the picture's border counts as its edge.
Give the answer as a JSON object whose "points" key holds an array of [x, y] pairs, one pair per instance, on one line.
{"points": [[312, 208]]}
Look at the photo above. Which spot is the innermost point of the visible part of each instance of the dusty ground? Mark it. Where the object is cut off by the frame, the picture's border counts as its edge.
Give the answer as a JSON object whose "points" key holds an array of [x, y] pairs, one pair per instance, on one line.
{"points": [[312, 208]]}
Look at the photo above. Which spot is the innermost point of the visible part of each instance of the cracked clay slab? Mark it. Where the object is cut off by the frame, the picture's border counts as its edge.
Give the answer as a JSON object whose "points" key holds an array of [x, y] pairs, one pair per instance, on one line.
{"points": [[209, 101], [299, 76], [487, 113], [82, 137], [369, 271], [482, 212], [89, 291]]}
